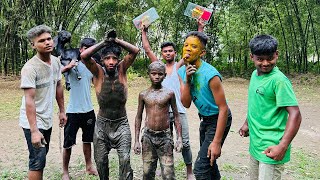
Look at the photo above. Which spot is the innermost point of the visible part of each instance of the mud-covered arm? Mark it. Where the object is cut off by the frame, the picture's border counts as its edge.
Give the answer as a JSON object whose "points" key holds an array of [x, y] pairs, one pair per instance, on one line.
{"points": [[91, 64], [132, 49], [175, 111], [146, 45], [177, 122], [137, 125]]}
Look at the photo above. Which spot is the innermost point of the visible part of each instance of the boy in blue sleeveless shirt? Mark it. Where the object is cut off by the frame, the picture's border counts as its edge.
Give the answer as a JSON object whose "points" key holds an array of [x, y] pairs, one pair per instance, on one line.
{"points": [[201, 83]]}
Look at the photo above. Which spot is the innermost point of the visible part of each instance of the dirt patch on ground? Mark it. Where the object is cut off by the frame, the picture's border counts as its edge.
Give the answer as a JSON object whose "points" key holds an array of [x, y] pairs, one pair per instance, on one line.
{"points": [[233, 162]]}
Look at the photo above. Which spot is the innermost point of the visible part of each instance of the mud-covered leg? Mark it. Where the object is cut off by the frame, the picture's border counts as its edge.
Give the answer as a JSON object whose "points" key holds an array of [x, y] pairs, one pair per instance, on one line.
{"points": [[125, 171], [149, 157], [165, 152], [101, 152]]}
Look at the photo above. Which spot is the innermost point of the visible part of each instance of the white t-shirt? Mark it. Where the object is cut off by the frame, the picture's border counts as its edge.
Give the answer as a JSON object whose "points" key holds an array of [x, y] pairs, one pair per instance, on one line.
{"points": [[43, 77]]}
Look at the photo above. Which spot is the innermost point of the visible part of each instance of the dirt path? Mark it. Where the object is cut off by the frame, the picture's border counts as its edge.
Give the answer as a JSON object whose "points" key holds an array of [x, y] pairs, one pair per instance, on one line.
{"points": [[234, 159]]}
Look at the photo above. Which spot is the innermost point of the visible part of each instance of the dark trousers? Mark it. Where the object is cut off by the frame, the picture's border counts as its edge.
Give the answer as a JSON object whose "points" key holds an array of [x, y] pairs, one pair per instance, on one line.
{"points": [[202, 168]]}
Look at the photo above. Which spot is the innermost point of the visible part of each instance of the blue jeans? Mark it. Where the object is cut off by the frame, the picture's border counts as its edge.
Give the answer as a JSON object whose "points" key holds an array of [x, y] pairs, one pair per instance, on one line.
{"points": [[202, 168], [37, 156]]}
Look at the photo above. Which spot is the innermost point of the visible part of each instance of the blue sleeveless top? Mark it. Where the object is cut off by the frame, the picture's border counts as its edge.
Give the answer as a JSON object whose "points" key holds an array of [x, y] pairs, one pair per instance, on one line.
{"points": [[201, 93]]}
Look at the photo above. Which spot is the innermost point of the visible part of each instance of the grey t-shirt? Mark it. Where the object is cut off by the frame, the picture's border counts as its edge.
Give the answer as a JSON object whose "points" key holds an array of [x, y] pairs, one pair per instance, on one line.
{"points": [[43, 78]]}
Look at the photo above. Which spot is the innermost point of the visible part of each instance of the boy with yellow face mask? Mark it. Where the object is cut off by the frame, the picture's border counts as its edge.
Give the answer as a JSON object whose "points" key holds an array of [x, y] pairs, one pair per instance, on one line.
{"points": [[201, 83]]}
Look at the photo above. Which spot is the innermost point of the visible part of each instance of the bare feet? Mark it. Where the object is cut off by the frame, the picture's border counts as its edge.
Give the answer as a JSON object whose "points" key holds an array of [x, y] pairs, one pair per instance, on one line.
{"points": [[92, 171], [158, 172], [190, 176], [65, 176]]}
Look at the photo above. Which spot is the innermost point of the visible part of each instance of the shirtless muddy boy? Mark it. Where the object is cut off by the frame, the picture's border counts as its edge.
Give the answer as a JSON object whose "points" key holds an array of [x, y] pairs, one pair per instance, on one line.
{"points": [[157, 141]]}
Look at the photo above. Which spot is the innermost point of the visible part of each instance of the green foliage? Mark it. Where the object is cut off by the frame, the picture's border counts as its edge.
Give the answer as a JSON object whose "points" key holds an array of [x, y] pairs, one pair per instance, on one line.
{"points": [[12, 174]]}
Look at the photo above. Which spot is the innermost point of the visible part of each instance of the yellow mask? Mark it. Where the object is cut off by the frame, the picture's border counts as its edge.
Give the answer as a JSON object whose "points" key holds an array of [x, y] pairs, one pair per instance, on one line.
{"points": [[192, 50]]}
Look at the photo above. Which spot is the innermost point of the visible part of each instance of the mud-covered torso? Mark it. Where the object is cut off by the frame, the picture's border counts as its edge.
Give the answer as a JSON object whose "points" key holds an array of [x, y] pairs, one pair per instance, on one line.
{"points": [[112, 97], [157, 103]]}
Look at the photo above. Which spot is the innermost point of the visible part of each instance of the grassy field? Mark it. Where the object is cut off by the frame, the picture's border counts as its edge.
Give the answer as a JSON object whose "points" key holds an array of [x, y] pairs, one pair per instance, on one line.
{"points": [[304, 164]]}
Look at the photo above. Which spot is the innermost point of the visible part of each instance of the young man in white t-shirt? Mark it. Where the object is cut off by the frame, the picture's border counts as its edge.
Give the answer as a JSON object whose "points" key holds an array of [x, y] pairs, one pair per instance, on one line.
{"points": [[41, 82]]}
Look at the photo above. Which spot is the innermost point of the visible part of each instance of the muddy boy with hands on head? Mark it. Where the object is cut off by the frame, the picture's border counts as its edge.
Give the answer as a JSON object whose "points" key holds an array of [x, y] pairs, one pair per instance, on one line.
{"points": [[112, 130], [157, 140]]}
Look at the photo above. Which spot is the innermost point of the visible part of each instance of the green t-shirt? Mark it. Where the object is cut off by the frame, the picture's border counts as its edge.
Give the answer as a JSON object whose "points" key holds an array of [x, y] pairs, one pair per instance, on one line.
{"points": [[268, 96]]}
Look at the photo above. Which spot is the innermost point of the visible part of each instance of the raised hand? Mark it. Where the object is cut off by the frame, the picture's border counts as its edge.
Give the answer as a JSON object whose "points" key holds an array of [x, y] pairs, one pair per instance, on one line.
{"points": [[190, 70], [110, 35]]}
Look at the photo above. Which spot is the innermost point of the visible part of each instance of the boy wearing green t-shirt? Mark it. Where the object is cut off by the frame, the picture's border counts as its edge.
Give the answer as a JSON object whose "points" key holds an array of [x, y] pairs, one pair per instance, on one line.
{"points": [[273, 117]]}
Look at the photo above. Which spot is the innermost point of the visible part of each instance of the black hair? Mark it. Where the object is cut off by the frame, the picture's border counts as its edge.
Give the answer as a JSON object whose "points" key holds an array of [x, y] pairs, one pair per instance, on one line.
{"points": [[87, 42], [202, 37], [263, 45], [166, 44], [111, 47]]}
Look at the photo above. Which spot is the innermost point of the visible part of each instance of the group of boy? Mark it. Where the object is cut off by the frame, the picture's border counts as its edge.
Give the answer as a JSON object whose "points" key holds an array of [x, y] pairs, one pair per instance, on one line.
{"points": [[273, 117]]}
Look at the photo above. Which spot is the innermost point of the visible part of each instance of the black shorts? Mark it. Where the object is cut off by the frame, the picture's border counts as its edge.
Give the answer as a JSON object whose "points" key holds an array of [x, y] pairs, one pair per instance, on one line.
{"points": [[76, 120], [37, 156]]}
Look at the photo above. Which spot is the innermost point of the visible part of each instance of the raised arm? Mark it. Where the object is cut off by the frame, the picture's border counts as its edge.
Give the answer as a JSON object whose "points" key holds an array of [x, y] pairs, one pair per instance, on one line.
{"points": [[185, 87], [91, 64], [133, 51], [214, 150], [137, 146], [201, 25], [146, 45], [60, 101]]}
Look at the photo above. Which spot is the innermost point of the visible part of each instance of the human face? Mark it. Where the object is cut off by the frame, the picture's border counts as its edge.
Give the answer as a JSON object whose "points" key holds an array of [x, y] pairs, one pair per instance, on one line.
{"points": [[110, 61], [83, 48], [168, 53], [43, 43], [264, 63], [192, 50], [156, 76]]}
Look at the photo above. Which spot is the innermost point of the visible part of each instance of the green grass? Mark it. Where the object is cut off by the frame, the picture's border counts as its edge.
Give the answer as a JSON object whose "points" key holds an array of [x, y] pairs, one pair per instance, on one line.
{"points": [[304, 165]]}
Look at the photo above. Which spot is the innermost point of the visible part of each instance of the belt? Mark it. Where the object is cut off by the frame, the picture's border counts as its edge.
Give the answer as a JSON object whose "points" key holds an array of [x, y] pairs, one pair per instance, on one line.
{"points": [[162, 132], [111, 120]]}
